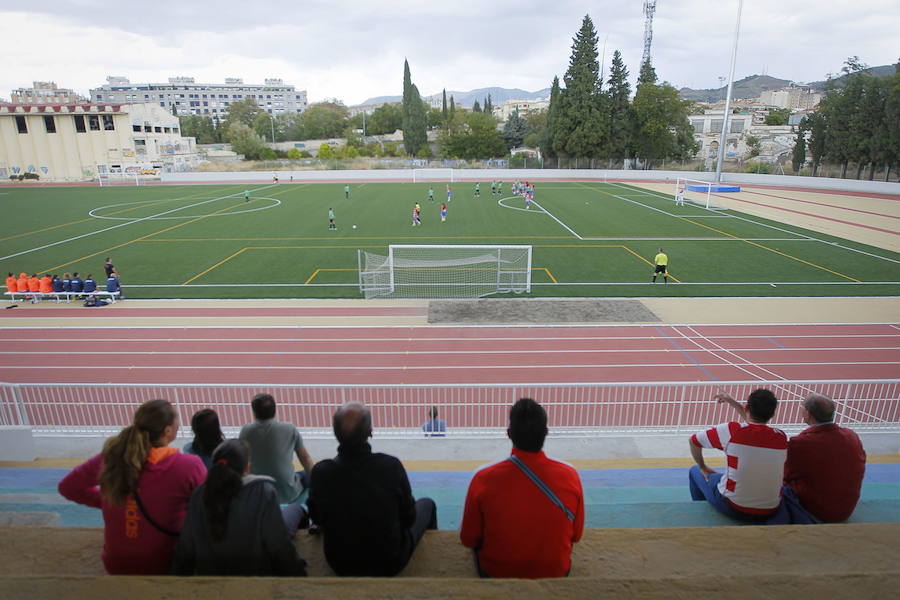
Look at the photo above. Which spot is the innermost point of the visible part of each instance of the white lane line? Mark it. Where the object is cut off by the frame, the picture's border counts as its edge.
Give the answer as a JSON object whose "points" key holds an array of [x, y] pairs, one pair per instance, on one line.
{"points": [[84, 235]]}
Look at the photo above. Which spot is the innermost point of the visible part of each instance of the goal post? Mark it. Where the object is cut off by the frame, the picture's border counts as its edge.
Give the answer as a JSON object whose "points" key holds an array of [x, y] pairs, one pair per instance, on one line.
{"points": [[698, 192], [433, 175], [444, 271]]}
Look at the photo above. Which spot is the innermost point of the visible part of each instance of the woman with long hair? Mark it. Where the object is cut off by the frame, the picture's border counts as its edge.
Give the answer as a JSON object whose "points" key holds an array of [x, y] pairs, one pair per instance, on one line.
{"points": [[142, 485], [207, 435], [234, 525]]}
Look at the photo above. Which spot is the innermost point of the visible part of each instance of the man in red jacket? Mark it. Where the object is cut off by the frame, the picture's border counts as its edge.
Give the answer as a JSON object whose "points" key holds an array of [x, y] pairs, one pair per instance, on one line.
{"points": [[825, 463], [512, 524]]}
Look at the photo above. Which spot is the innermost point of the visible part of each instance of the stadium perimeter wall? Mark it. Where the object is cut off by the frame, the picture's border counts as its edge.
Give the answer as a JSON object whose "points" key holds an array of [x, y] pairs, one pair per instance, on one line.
{"points": [[406, 175]]}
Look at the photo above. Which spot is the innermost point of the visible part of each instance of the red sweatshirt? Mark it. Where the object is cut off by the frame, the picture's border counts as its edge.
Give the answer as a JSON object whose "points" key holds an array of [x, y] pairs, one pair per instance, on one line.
{"points": [[131, 545], [519, 531]]}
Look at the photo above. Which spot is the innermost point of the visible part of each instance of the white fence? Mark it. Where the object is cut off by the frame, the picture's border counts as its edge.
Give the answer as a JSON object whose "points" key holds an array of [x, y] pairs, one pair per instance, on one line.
{"points": [[573, 409]]}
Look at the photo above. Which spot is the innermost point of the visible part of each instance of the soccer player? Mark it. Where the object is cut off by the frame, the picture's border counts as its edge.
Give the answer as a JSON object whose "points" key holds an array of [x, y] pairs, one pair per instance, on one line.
{"points": [[274, 177], [527, 201], [430, 194], [415, 216], [449, 193], [443, 213], [478, 190], [346, 191], [331, 224], [679, 196], [499, 188], [246, 199], [493, 187], [662, 262]]}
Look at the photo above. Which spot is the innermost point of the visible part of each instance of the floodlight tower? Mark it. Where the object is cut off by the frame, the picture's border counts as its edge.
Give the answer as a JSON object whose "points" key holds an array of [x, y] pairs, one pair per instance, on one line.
{"points": [[649, 9]]}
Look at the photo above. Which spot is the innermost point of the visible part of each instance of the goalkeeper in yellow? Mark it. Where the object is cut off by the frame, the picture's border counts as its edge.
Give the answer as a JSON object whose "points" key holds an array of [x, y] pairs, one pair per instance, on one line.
{"points": [[662, 262]]}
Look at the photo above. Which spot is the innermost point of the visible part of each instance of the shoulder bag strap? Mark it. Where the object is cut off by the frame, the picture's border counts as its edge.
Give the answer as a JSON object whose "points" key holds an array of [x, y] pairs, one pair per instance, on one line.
{"points": [[150, 520], [542, 486]]}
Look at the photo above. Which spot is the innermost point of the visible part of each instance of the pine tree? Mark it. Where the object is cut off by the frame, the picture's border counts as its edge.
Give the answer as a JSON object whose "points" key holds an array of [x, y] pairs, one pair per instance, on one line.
{"points": [[514, 130], [476, 107], [618, 93], [647, 73], [580, 126], [415, 119], [548, 135], [444, 112]]}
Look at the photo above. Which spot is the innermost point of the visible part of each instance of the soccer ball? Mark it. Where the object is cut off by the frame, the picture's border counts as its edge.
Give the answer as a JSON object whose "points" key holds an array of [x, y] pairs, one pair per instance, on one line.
{"points": [[354, 227]]}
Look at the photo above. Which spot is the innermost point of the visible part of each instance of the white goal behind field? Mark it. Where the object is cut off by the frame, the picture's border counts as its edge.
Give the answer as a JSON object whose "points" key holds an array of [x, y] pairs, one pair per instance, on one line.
{"points": [[698, 192], [426, 175], [445, 271]]}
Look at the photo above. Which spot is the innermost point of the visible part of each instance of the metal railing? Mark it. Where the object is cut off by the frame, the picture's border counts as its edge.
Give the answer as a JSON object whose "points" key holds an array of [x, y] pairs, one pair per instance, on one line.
{"points": [[574, 409]]}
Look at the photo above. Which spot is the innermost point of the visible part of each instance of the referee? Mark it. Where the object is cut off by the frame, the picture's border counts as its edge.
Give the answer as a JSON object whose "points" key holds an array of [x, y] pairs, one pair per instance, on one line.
{"points": [[662, 261]]}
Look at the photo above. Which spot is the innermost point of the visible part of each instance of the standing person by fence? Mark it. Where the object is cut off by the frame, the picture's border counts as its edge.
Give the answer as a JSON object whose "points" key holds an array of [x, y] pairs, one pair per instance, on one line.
{"points": [[142, 485]]}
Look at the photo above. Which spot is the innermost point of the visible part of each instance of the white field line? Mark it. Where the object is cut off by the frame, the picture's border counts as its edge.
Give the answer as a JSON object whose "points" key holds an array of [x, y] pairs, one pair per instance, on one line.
{"points": [[560, 283], [552, 216], [84, 235], [660, 195]]}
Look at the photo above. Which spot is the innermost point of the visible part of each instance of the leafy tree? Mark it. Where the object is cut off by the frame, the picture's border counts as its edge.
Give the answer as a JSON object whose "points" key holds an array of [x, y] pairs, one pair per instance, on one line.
{"points": [[514, 130], [798, 154], [537, 126], [753, 145], [387, 118], [325, 151], [294, 154], [323, 120], [892, 122], [264, 124], [244, 141], [579, 128], [243, 111], [476, 107], [415, 139], [435, 117], [618, 92], [779, 116], [472, 135], [199, 127], [662, 128]]}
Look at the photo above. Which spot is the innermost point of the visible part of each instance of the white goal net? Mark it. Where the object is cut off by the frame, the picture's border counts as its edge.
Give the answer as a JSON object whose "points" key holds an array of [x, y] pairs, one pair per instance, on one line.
{"points": [[457, 271], [698, 192], [425, 175]]}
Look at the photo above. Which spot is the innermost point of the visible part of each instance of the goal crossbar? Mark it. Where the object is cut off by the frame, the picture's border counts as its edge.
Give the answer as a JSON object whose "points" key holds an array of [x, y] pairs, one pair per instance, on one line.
{"points": [[444, 271]]}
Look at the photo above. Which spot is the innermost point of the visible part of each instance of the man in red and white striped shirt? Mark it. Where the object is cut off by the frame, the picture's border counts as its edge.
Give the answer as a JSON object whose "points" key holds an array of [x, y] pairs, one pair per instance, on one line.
{"points": [[750, 488]]}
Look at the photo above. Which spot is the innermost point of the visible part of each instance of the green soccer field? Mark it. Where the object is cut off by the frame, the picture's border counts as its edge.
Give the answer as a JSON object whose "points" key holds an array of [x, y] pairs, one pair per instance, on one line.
{"points": [[589, 239]]}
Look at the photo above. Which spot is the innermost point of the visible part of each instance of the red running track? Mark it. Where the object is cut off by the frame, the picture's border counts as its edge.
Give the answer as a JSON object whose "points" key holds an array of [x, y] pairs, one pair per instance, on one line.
{"points": [[449, 355]]}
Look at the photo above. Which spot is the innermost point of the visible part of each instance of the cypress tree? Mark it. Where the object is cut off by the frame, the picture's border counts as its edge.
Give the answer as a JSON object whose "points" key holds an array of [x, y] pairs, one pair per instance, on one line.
{"points": [[452, 108], [444, 112], [798, 155], [580, 126], [476, 107], [618, 93], [415, 119]]}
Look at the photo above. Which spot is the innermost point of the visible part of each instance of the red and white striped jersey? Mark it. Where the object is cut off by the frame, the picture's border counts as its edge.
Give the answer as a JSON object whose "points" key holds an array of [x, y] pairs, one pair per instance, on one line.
{"points": [[755, 455]]}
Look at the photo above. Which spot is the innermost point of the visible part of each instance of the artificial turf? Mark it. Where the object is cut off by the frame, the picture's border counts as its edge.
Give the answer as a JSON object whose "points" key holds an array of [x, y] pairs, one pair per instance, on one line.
{"points": [[589, 239]]}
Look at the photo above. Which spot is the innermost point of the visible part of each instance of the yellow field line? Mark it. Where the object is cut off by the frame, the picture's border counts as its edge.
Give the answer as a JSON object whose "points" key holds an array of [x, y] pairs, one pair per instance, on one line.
{"points": [[675, 279], [549, 274], [140, 239], [221, 262], [806, 262], [313, 276], [734, 237], [331, 237]]}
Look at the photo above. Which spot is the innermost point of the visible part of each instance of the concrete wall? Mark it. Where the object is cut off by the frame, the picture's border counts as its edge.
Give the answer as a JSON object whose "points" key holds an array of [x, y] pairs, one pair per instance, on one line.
{"points": [[471, 175]]}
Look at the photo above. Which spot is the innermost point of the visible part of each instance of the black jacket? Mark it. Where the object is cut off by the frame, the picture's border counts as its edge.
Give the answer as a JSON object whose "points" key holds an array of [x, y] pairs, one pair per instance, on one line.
{"points": [[365, 508], [256, 540]]}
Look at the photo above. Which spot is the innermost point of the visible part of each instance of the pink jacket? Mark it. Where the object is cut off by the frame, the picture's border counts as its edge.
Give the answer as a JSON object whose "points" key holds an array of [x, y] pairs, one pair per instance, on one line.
{"points": [[131, 545]]}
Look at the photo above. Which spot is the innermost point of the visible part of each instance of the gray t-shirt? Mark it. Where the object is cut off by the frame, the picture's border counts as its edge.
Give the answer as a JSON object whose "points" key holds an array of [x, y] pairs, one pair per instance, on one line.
{"points": [[273, 446]]}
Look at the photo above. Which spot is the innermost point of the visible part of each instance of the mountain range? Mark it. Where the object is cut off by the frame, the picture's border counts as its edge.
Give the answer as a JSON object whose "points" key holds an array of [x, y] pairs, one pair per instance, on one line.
{"points": [[467, 99], [753, 86]]}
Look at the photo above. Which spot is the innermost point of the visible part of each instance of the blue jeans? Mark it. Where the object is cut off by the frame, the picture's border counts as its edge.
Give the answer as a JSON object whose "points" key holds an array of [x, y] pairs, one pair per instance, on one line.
{"points": [[707, 489]]}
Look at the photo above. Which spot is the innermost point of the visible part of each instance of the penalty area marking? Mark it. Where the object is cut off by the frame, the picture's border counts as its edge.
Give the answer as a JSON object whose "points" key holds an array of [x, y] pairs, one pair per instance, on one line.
{"points": [[276, 202]]}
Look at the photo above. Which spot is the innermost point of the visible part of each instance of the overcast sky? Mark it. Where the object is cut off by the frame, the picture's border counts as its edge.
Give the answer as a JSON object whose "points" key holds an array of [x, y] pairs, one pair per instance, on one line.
{"points": [[354, 49]]}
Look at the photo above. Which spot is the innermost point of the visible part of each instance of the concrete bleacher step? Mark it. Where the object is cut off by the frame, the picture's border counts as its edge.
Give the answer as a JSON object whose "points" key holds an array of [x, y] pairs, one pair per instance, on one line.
{"points": [[855, 561]]}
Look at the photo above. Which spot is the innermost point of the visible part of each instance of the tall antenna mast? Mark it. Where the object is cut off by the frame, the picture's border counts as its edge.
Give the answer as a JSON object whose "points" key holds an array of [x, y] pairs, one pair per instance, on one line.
{"points": [[649, 9]]}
